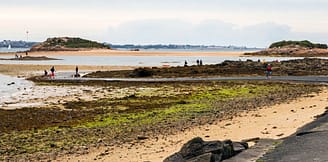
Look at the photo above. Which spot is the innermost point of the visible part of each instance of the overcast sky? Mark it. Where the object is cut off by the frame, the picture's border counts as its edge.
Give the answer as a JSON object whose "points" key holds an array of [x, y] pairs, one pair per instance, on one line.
{"points": [[210, 22]]}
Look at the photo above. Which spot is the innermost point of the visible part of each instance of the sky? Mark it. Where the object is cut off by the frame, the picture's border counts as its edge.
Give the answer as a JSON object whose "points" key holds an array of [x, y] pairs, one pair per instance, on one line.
{"points": [[251, 23]]}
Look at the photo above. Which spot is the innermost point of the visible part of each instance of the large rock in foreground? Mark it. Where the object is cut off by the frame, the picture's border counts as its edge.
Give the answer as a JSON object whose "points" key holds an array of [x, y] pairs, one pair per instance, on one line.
{"points": [[198, 150]]}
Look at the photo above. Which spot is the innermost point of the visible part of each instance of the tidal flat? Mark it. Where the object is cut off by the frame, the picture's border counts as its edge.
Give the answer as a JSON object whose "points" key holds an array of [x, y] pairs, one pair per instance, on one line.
{"points": [[136, 111]]}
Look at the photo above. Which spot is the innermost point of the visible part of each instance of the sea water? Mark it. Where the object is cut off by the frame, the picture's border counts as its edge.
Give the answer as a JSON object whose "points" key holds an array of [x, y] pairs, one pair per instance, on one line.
{"points": [[141, 60], [13, 49], [10, 86]]}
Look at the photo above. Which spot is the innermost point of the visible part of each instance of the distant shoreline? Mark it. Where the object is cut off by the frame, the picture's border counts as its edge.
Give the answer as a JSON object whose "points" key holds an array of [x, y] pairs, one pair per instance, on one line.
{"points": [[107, 52], [30, 58]]}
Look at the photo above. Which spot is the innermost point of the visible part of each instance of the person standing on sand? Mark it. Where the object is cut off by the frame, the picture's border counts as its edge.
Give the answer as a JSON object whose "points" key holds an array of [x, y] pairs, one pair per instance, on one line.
{"points": [[268, 71], [52, 72], [77, 71], [185, 64]]}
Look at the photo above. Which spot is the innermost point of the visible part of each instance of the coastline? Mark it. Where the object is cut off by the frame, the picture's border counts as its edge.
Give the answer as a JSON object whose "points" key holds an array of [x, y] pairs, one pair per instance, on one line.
{"points": [[27, 70], [107, 52], [275, 122]]}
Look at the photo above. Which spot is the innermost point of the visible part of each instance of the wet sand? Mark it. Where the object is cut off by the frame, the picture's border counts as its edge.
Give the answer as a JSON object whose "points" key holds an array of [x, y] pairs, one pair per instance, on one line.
{"points": [[274, 122], [23, 70]]}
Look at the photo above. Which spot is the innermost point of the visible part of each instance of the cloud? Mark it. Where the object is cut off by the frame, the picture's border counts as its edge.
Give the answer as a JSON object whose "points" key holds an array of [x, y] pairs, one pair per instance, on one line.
{"points": [[207, 32]]}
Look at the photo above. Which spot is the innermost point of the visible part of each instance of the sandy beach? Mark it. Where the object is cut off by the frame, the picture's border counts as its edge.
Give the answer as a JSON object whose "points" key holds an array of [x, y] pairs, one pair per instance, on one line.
{"points": [[106, 52], [274, 122]]}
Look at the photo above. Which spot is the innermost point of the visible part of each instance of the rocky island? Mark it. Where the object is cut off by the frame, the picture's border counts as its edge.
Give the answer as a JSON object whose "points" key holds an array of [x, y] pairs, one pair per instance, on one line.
{"points": [[294, 49], [67, 44]]}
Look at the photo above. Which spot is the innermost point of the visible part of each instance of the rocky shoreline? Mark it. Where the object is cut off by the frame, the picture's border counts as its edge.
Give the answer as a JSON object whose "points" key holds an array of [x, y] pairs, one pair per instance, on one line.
{"points": [[298, 67], [49, 132], [130, 113]]}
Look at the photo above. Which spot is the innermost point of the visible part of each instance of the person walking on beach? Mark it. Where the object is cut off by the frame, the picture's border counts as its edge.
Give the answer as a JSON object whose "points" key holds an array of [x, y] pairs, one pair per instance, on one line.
{"points": [[268, 71], [52, 72], [77, 71]]}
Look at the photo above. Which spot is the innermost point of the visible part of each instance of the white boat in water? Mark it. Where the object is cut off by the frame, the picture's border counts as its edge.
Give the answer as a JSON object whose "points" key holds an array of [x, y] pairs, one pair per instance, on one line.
{"points": [[9, 46]]}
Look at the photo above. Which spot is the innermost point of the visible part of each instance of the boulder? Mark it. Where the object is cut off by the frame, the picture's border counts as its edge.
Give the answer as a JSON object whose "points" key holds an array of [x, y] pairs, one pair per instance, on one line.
{"points": [[198, 150]]}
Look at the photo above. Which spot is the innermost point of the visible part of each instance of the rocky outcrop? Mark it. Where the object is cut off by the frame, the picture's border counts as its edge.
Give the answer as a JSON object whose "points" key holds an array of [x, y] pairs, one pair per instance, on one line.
{"points": [[292, 52], [303, 48], [67, 44], [297, 67], [198, 150]]}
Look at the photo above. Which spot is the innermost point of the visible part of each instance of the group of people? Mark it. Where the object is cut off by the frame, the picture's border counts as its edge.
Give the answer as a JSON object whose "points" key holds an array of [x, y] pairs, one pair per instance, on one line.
{"points": [[199, 63], [52, 74]]}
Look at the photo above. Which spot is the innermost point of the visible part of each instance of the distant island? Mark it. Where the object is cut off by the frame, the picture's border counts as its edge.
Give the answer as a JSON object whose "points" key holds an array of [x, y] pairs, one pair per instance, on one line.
{"points": [[68, 44], [133, 47], [303, 48], [77, 44]]}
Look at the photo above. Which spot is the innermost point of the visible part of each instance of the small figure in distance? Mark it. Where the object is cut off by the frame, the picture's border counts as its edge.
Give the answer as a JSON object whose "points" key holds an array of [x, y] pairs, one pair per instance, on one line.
{"points": [[77, 71], [268, 71], [45, 73], [197, 62], [52, 72], [186, 63], [201, 63]]}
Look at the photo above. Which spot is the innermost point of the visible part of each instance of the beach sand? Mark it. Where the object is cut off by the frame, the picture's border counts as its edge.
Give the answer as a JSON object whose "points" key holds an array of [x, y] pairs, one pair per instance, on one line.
{"points": [[274, 122]]}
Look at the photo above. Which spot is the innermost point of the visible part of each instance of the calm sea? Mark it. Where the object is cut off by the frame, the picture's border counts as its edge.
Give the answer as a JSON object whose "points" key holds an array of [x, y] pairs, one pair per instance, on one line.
{"points": [[137, 60], [13, 49], [9, 86]]}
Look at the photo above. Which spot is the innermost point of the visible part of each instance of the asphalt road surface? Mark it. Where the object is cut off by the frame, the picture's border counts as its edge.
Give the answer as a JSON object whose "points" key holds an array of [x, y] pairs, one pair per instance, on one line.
{"points": [[319, 79]]}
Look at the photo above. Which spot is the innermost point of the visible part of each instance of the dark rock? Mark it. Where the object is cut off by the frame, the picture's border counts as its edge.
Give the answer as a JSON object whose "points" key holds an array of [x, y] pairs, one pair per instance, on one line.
{"points": [[12, 83], [208, 157], [142, 137], [239, 146], [198, 150], [192, 148], [174, 158]]}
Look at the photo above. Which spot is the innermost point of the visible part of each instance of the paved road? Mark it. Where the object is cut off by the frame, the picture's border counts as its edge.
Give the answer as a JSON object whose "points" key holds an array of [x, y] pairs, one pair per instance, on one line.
{"points": [[320, 79], [308, 144]]}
